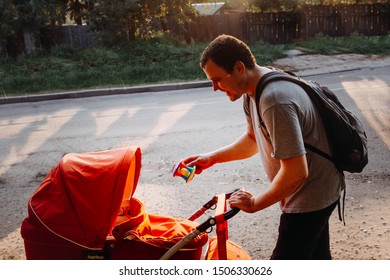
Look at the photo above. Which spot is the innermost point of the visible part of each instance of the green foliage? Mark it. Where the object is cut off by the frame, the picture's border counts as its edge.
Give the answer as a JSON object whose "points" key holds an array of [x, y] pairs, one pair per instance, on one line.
{"points": [[367, 45], [276, 5], [156, 60], [125, 20], [265, 53], [160, 59], [78, 9], [19, 17], [62, 51], [8, 13], [322, 44], [355, 43]]}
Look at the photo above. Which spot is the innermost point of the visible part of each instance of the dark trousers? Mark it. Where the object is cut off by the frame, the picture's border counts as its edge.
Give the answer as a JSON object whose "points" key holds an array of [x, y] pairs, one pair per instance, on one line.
{"points": [[304, 236]]}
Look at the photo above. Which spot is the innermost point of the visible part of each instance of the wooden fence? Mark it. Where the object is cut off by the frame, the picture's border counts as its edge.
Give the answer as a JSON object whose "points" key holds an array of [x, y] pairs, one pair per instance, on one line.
{"points": [[274, 28], [339, 20], [343, 20], [78, 36]]}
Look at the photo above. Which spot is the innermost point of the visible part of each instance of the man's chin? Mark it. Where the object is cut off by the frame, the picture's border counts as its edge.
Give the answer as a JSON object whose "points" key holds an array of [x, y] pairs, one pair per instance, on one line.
{"points": [[231, 96]]}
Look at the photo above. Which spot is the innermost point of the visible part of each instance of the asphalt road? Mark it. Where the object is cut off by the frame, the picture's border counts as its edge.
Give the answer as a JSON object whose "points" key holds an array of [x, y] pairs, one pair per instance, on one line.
{"points": [[168, 126]]}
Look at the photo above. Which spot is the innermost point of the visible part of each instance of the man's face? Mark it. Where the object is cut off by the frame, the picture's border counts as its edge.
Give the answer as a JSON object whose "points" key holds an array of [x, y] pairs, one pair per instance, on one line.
{"points": [[230, 83]]}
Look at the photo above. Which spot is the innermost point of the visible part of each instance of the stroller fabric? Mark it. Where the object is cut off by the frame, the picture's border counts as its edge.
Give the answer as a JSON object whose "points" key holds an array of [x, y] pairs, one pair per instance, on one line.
{"points": [[134, 223], [85, 205], [79, 199]]}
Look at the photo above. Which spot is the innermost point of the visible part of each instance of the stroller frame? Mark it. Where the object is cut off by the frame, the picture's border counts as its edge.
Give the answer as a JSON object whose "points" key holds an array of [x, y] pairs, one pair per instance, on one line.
{"points": [[209, 223]]}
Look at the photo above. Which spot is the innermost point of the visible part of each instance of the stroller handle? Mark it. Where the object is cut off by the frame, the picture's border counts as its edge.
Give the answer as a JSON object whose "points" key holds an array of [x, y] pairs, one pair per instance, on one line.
{"points": [[231, 213], [210, 222], [210, 204]]}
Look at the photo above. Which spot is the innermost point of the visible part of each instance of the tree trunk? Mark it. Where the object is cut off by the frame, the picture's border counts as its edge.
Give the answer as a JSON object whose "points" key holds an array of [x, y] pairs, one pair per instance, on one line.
{"points": [[29, 45]]}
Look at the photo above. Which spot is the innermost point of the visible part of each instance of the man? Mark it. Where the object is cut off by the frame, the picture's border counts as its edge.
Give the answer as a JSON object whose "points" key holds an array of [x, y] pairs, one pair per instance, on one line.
{"points": [[306, 185]]}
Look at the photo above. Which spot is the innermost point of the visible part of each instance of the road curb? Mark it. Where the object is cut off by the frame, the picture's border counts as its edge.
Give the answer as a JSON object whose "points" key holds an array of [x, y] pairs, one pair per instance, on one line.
{"points": [[104, 92], [161, 87]]}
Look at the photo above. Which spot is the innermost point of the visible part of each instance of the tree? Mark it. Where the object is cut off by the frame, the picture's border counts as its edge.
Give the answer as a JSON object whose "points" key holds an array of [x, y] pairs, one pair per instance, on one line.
{"points": [[276, 5], [78, 10], [242, 5], [8, 15], [112, 18], [125, 20], [22, 22]]}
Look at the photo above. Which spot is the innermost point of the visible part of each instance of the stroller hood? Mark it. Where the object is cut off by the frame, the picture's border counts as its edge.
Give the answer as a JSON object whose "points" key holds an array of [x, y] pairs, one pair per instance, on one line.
{"points": [[80, 198]]}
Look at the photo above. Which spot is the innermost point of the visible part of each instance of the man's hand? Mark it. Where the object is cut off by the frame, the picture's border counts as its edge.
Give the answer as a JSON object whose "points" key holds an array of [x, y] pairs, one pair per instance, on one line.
{"points": [[242, 200], [202, 162]]}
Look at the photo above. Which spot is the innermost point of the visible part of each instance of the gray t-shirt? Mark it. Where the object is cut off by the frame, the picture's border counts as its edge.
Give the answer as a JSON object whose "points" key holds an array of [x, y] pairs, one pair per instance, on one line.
{"points": [[291, 120]]}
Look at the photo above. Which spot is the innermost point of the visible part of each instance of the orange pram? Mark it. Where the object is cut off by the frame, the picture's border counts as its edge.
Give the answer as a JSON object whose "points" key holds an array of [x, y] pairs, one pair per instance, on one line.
{"points": [[85, 209]]}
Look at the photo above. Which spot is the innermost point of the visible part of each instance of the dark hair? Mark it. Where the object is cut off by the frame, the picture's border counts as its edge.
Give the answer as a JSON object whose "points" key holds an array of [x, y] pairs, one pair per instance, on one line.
{"points": [[225, 51]]}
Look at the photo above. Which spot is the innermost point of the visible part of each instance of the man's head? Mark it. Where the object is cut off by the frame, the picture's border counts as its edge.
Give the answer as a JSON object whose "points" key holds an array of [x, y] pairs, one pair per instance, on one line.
{"points": [[225, 51], [226, 62]]}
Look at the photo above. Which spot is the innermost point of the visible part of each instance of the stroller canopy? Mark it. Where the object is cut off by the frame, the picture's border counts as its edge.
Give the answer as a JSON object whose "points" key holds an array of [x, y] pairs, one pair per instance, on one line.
{"points": [[80, 198]]}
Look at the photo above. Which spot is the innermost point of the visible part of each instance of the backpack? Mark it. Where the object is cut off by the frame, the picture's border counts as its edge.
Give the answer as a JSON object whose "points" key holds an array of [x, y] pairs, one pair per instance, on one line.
{"points": [[345, 133]]}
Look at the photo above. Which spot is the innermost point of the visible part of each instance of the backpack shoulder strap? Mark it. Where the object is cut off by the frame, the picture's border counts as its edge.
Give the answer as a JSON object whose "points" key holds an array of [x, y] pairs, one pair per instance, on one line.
{"points": [[274, 75], [278, 75]]}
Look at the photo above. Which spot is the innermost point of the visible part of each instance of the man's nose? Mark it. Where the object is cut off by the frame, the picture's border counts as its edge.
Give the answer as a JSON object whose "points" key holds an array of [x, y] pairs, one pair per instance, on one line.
{"points": [[216, 86]]}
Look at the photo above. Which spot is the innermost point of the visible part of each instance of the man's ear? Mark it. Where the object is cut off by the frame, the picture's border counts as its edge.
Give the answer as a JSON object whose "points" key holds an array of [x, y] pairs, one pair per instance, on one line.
{"points": [[240, 67]]}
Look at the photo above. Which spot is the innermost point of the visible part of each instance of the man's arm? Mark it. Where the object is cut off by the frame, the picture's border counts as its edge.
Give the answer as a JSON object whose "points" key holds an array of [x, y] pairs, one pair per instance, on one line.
{"points": [[244, 147], [292, 174]]}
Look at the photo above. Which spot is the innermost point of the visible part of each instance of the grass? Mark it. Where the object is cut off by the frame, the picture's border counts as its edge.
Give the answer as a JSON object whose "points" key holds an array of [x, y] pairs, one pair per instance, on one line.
{"points": [[158, 60], [354, 43]]}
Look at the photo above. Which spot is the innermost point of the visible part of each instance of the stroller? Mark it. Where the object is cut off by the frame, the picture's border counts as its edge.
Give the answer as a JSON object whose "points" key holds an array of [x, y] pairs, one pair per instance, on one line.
{"points": [[85, 209]]}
